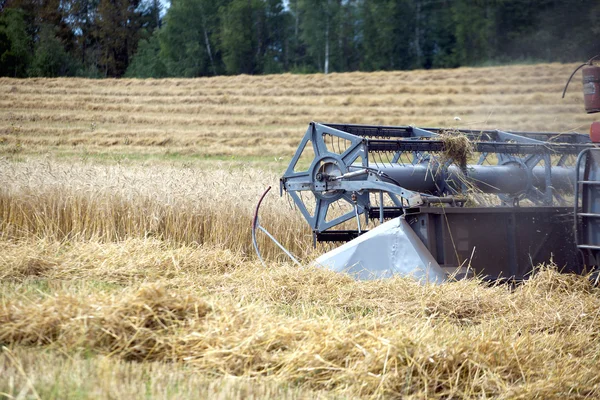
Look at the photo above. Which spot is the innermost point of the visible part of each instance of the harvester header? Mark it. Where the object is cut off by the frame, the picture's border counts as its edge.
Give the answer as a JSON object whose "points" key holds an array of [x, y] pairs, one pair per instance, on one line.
{"points": [[500, 202]]}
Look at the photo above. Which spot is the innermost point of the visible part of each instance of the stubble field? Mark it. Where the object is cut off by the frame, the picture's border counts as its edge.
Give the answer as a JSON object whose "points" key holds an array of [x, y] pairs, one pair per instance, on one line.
{"points": [[127, 271]]}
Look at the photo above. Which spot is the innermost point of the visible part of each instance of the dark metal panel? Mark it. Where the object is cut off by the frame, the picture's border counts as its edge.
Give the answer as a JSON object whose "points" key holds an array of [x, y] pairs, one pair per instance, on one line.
{"points": [[338, 236], [479, 146], [500, 242], [479, 134]]}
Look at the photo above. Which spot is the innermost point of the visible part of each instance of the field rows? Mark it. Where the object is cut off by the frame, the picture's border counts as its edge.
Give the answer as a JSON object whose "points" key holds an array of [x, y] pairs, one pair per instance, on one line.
{"points": [[265, 116], [178, 114], [305, 89]]}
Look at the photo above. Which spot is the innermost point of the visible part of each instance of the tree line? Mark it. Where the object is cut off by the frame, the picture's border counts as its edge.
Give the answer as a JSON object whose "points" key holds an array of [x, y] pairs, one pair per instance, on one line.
{"points": [[137, 38]]}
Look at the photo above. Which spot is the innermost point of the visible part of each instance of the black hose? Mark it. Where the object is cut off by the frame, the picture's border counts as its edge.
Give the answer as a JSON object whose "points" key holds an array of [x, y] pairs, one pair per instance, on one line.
{"points": [[571, 77], [384, 175], [589, 62]]}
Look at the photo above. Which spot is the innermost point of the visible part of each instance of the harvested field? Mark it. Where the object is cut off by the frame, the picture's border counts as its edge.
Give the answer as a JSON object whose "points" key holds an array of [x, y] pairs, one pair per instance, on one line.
{"points": [[249, 117], [127, 271]]}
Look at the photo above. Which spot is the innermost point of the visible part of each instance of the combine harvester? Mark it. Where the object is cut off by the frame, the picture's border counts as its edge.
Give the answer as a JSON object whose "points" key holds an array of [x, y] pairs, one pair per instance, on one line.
{"points": [[491, 203]]}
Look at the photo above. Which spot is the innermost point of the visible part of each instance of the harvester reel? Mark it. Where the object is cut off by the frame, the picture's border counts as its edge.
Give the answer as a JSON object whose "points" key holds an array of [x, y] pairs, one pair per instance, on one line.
{"points": [[338, 172]]}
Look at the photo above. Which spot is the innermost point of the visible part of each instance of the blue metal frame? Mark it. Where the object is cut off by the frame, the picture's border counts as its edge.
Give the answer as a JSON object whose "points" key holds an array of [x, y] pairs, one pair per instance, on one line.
{"points": [[348, 187]]}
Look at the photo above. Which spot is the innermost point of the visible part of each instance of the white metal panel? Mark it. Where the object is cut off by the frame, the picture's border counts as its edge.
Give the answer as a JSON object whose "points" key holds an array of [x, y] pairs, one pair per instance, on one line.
{"points": [[390, 249]]}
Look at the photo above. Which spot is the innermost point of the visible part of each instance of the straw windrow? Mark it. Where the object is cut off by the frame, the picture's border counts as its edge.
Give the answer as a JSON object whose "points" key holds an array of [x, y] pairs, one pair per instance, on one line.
{"points": [[457, 148], [321, 330]]}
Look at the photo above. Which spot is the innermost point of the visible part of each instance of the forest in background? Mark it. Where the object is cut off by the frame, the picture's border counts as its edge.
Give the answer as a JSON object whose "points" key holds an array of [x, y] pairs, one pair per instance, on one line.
{"points": [[138, 38]]}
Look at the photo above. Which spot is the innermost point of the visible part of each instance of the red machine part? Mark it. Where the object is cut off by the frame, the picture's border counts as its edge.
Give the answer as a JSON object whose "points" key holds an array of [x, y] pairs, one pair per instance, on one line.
{"points": [[591, 88], [595, 132]]}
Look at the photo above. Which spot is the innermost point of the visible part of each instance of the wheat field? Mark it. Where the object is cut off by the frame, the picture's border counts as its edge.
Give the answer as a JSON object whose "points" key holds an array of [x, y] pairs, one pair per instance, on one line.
{"points": [[127, 270]]}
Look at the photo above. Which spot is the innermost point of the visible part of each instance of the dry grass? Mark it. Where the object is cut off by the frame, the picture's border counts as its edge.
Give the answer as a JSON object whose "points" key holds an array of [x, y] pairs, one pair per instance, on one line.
{"points": [[27, 373], [180, 205], [457, 148], [126, 269], [322, 331], [265, 116]]}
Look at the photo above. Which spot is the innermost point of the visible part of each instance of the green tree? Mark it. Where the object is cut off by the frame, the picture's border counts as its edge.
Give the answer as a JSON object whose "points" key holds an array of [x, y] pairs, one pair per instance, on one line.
{"points": [[296, 46], [151, 18], [241, 26], [54, 13], [147, 63], [188, 39], [50, 58], [439, 39], [83, 20], [377, 35], [276, 45], [118, 34], [253, 36], [473, 21], [204, 37], [388, 44], [348, 26], [319, 33], [15, 43]]}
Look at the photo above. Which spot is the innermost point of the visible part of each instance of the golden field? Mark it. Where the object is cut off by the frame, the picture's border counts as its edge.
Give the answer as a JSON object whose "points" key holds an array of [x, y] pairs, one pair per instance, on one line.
{"points": [[127, 271], [245, 117]]}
